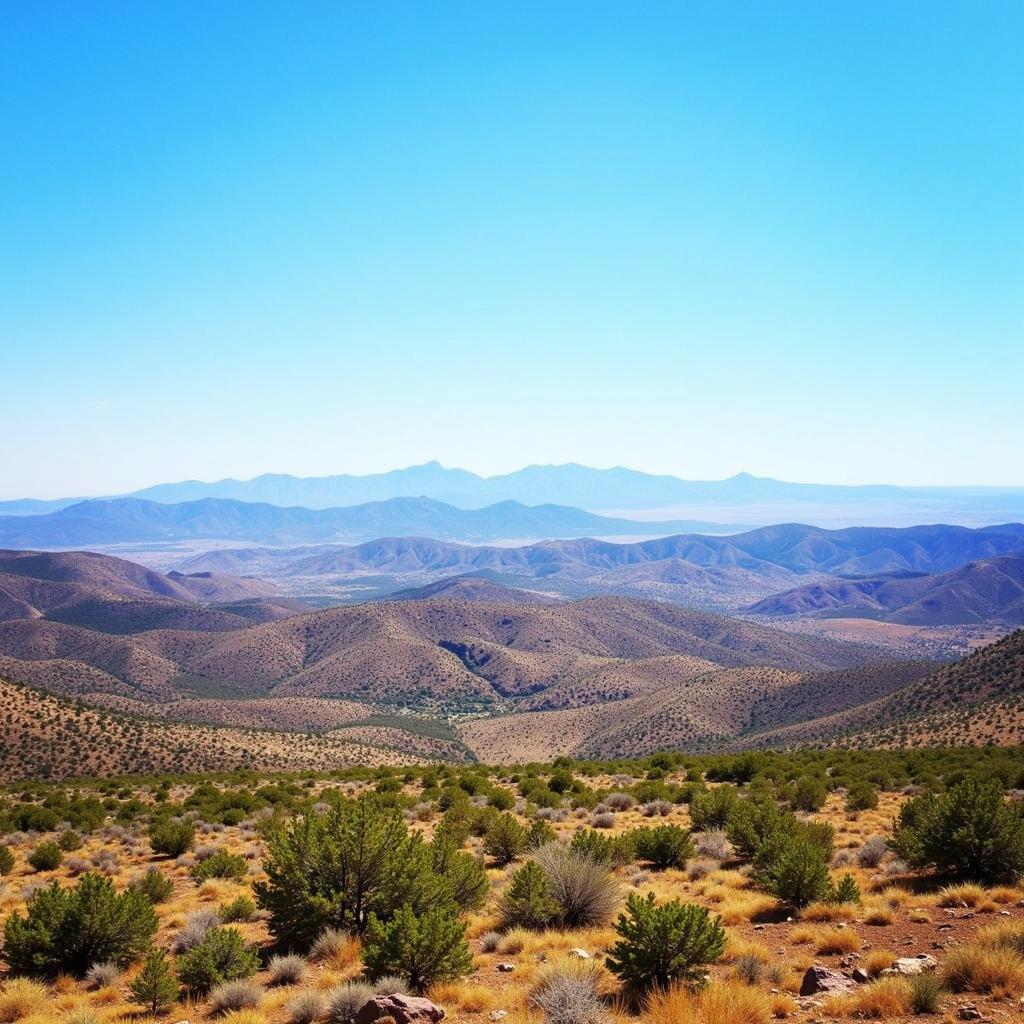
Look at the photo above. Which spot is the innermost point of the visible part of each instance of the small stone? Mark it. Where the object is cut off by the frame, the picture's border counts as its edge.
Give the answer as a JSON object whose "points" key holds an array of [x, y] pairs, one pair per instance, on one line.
{"points": [[861, 976], [497, 1015], [580, 954], [506, 968], [1004, 913], [908, 965], [969, 1013]]}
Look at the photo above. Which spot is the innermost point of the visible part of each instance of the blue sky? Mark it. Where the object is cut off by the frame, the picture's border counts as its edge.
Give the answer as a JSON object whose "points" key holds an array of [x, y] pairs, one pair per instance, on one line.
{"points": [[693, 238]]}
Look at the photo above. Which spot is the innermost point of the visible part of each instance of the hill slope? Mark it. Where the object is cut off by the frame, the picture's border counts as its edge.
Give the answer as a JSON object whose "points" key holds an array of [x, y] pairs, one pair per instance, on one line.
{"points": [[987, 591]]}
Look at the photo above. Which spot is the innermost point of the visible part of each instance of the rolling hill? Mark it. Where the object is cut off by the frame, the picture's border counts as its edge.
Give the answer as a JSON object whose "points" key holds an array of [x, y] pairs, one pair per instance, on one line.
{"points": [[986, 591], [133, 520]]}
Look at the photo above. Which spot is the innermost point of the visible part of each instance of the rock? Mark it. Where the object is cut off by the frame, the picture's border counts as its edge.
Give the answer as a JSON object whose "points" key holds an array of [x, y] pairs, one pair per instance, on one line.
{"points": [[402, 1009], [823, 979], [506, 968], [912, 964], [861, 976], [969, 1012], [1005, 913], [497, 1015], [580, 954]]}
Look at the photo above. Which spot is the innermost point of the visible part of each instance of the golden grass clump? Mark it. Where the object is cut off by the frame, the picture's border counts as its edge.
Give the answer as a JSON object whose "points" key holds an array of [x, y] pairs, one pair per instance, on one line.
{"points": [[729, 1002], [20, 999], [965, 895], [877, 960], [887, 997], [823, 913], [987, 969], [833, 941], [879, 914], [783, 1004]]}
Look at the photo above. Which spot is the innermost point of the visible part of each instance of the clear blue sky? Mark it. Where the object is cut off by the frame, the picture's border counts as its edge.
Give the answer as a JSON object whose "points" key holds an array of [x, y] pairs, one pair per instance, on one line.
{"points": [[686, 237]]}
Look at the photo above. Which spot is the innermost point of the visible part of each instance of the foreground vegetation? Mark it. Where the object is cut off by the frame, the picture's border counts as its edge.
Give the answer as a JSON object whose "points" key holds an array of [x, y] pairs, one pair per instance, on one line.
{"points": [[676, 888]]}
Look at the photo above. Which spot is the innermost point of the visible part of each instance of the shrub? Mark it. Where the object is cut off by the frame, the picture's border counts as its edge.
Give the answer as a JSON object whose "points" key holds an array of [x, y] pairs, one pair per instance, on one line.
{"points": [[222, 864], [663, 944], [611, 850], [861, 796], [585, 892], [568, 995], [171, 838], [540, 834], [527, 902], [796, 871], [710, 809], [101, 975], [882, 999], [504, 840], [241, 908], [197, 924], [335, 869], [306, 1008], [69, 840], [6, 861], [345, 1001], [46, 857], [809, 793], [490, 941], [664, 846], [970, 831], [154, 885], [241, 994], [421, 949], [221, 955], [847, 891], [286, 970], [155, 987], [464, 874], [68, 930], [870, 855], [330, 945], [730, 1002]]}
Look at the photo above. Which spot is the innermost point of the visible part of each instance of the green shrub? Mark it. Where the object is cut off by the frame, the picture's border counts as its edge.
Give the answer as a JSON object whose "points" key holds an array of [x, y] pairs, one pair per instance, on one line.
{"points": [[155, 886], [664, 846], [69, 840], [527, 902], [710, 809], [847, 891], [752, 822], [155, 986], [795, 869], [221, 955], [925, 992], [171, 838], [241, 908], [861, 796], [539, 834], [969, 831], [613, 851], [333, 870], [69, 930], [420, 949], [809, 793], [662, 944], [463, 873], [222, 864], [6, 861], [46, 857], [504, 840]]}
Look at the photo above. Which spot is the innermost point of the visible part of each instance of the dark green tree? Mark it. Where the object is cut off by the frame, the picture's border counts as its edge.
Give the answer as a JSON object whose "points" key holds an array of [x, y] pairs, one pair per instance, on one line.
{"points": [[155, 987]]}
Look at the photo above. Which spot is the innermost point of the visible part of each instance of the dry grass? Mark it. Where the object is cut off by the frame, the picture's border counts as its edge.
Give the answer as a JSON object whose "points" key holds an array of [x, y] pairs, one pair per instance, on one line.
{"points": [[724, 1003], [877, 960], [879, 914], [978, 968], [965, 895], [22, 998], [882, 999]]}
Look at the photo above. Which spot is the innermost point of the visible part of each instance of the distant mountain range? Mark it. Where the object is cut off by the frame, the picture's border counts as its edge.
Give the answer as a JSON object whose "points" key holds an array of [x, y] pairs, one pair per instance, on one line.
{"points": [[715, 572], [733, 500], [986, 591], [134, 520]]}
